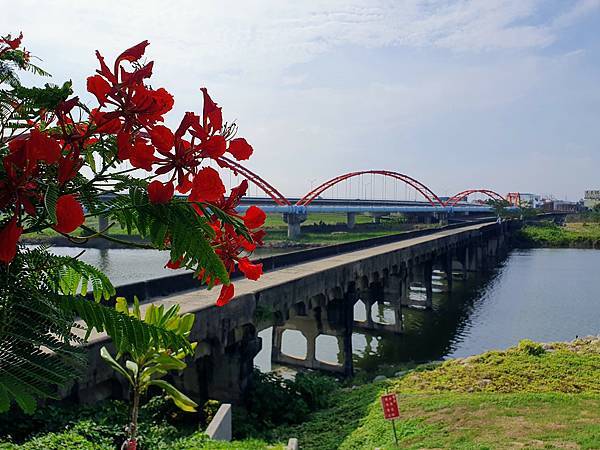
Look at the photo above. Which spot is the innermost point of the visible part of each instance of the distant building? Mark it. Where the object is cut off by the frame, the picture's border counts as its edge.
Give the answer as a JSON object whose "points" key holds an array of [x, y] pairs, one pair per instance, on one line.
{"points": [[591, 198], [525, 200], [561, 206]]}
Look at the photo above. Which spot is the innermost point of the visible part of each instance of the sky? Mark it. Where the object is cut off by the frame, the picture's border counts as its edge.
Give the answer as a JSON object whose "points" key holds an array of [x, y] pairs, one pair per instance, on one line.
{"points": [[497, 94]]}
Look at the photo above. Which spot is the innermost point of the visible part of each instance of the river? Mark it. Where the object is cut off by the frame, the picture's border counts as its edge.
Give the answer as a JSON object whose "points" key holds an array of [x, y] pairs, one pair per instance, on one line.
{"points": [[539, 294]]}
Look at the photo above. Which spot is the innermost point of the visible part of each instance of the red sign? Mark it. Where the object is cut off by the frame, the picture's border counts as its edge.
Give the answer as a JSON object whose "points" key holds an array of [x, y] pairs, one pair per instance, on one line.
{"points": [[389, 403]]}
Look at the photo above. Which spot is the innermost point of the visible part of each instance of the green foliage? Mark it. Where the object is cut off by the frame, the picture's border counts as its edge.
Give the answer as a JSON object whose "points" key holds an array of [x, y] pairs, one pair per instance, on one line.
{"points": [[176, 224], [151, 357], [547, 234], [48, 97], [274, 401], [528, 367], [77, 426], [531, 348], [57, 441]]}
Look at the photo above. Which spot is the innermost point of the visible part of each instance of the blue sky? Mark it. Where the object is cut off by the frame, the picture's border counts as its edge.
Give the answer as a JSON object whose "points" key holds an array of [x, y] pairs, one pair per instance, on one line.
{"points": [[502, 94]]}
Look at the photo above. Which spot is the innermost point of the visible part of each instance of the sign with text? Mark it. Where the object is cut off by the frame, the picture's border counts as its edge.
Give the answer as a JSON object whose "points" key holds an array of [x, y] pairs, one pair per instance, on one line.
{"points": [[389, 403]]}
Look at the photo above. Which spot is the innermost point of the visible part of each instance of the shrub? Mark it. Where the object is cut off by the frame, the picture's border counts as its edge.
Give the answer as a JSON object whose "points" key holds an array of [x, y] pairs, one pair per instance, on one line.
{"points": [[531, 348], [274, 401]]}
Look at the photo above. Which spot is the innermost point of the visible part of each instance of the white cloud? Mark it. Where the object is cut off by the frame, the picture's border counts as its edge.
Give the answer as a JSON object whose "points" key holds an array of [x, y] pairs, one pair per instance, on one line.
{"points": [[262, 60]]}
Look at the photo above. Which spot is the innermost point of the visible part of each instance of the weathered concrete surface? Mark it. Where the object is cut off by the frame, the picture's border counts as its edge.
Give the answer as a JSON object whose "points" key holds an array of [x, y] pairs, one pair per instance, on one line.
{"points": [[227, 335], [219, 428]]}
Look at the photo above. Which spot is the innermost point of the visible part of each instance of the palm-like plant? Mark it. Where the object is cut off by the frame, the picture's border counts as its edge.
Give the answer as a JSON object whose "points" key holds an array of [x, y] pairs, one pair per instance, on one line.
{"points": [[146, 366]]}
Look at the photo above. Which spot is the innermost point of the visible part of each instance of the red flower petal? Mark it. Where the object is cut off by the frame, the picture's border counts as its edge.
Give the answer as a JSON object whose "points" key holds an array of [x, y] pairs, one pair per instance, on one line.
{"points": [[123, 145], [133, 53], [142, 155], [42, 147], [227, 292], [211, 112], [215, 147], [159, 193], [161, 137], [104, 124], [99, 87], [250, 271], [68, 166], [254, 217], [69, 214], [9, 236], [240, 149], [185, 184], [174, 264], [208, 186]]}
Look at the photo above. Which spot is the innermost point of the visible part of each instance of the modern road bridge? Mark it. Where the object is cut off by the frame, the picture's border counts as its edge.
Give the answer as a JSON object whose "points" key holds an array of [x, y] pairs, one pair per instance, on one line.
{"points": [[315, 296]]}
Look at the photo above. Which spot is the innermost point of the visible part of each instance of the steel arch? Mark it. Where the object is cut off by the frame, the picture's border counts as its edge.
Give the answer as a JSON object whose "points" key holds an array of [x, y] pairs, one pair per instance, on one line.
{"points": [[268, 189], [452, 201], [431, 197]]}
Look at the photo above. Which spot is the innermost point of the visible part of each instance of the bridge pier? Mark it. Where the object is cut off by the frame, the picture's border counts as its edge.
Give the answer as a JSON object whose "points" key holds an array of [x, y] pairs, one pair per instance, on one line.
{"points": [[447, 262], [294, 220], [350, 220]]}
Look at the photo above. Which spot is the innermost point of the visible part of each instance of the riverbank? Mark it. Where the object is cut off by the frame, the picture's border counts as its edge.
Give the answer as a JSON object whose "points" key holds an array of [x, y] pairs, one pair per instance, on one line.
{"points": [[529, 396], [571, 235]]}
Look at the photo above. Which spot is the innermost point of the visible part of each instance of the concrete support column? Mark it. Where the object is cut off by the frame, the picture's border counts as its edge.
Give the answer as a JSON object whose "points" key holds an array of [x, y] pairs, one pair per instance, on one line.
{"points": [[350, 220], [398, 318], [293, 221], [276, 339], [427, 281], [340, 315], [231, 370], [311, 347], [448, 270]]}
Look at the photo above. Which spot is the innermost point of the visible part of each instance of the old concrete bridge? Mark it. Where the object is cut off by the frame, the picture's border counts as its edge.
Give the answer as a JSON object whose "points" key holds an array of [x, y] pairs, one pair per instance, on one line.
{"points": [[316, 298]]}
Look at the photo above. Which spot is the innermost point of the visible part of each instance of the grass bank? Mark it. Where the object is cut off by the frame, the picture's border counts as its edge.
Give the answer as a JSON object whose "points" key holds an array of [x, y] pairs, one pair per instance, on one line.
{"points": [[530, 396], [578, 235]]}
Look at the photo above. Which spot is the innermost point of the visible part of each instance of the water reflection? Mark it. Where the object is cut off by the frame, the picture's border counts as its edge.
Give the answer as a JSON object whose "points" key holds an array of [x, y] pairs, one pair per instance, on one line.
{"points": [[540, 294]]}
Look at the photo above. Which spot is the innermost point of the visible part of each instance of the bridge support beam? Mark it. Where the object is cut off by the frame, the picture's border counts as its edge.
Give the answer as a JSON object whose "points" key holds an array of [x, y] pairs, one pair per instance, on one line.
{"points": [[293, 221]]}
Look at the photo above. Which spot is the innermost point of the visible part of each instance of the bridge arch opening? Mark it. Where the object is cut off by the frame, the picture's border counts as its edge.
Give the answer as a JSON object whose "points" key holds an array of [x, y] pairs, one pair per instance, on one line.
{"points": [[326, 347], [360, 311], [457, 198], [424, 191], [294, 344]]}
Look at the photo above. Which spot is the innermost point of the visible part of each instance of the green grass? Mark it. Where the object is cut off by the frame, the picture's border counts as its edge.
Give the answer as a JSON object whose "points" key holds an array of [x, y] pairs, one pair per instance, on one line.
{"points": [[526, 397], [276, 220], [582, 235]]}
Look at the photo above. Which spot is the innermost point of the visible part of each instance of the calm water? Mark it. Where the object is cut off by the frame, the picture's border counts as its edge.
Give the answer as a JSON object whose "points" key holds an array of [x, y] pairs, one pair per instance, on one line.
{"points": [[540, 294], [130, 265]]}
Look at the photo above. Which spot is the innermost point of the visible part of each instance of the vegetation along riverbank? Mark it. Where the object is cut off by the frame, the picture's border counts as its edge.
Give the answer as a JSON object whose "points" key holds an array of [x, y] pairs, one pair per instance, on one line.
{"points": [[529, 396], [572, 234]]}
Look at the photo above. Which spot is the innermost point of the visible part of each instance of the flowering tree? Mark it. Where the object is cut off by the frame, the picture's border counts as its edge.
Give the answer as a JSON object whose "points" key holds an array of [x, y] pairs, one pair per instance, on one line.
{"points": [[63, 162]]}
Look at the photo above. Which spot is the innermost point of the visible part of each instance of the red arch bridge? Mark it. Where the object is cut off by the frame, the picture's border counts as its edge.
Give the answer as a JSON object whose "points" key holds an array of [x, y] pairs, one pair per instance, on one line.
{"points": [[427, 206]]}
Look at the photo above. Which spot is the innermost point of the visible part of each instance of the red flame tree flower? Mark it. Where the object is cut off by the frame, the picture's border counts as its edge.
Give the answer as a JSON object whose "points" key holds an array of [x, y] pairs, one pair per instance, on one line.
{"points": [[64, 162]]}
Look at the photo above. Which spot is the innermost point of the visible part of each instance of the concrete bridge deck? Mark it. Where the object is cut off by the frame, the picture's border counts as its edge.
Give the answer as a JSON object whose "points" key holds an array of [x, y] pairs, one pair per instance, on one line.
{"points": [[325, 288]]}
